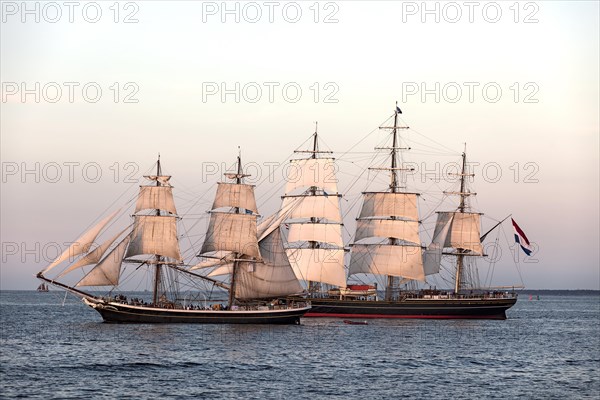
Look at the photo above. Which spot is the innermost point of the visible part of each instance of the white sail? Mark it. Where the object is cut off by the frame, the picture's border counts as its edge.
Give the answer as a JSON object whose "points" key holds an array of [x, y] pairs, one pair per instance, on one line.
{"points": [[432, 256], [312, 172], [384, 204], [274, 277], [235, 195], [82, 244], [224, 269], [319, 265], [464, 231], [383, 259], [156, 198], [232, 232], [272, 222], [318, 206], [271, 278], [107, 272], [387, 228], [93, 256], [318, 232], [154, 234]]}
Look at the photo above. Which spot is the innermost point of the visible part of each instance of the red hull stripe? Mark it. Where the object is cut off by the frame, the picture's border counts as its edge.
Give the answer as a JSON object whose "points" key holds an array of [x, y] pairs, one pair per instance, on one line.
{"points": [[334, 315]]}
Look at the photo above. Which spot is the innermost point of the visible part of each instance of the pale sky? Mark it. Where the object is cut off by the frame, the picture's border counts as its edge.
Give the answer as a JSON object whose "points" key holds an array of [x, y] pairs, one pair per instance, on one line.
{"points": [[541, 131]]}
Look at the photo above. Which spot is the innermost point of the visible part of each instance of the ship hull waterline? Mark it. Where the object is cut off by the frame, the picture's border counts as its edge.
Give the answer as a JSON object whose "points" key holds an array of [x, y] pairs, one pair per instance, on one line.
{"points": [[411, 308], [114, 312], [123, 313]]}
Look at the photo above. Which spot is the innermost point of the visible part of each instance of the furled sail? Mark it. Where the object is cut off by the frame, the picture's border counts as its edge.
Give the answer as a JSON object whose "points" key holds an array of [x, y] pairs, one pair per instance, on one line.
{"points": [[155, 234], [93, 256], [107, 272], [83, 243], [464, 231], [312, 172], [232, 232], [383, 259], [156, 198], [235, 195], [161, 179]]}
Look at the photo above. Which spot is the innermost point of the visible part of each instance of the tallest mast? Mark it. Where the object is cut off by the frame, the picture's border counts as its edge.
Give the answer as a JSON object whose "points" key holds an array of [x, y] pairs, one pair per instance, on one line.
{"points": [[157, 270], [461, 208], [313, 286], [238, 180], [394, 186]]}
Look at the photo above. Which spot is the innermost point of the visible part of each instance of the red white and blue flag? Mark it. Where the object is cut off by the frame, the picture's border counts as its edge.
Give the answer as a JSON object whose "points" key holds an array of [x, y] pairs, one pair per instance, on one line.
{"points": [[521, 238]]}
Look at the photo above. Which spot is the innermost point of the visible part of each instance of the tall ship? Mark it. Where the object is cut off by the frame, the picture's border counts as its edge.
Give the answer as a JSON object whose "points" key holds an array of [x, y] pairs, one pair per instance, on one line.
{"points": [[259, 276], [386, 243], [42, 287]]}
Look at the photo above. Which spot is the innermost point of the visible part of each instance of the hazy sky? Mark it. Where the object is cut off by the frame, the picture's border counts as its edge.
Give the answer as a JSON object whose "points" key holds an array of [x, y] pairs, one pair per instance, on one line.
{"points": [[92, 92]]}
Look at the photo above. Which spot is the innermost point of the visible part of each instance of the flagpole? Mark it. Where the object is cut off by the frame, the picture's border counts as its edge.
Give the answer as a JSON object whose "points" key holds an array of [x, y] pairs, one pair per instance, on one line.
{"points": [[494, 227]]}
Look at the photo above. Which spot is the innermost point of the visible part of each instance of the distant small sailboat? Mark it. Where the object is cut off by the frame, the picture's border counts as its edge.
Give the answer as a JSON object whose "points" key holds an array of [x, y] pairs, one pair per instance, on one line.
{"points": [[42, 288], [350, 322]]}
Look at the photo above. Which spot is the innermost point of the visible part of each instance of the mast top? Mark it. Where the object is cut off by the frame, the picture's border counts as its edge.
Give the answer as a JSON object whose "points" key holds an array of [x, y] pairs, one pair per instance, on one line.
{"points": [[239, 175], [464, 193], [315, 150], [395, 183]]}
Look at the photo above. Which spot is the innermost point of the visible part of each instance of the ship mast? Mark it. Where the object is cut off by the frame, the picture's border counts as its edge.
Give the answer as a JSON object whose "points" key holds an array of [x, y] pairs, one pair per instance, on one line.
{"points": [[157, 271], [312, 191], [312, 285], [313, 220], [391, 218], [461, 208], [238, 181], [394, 187]]}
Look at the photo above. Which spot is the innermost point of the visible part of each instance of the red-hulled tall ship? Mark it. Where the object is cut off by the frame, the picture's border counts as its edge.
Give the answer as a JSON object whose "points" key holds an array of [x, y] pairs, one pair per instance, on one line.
{"points": [[387, 243]]}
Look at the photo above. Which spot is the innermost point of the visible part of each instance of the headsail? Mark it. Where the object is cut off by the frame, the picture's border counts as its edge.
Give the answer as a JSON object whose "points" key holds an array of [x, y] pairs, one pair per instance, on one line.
{"points": [[93, 256], [83, 243], [107, 272]]}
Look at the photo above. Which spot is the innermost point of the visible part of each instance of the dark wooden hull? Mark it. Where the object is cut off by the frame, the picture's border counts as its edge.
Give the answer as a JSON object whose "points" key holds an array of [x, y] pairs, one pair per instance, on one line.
{"points": [[124, 313], [471, 308]]}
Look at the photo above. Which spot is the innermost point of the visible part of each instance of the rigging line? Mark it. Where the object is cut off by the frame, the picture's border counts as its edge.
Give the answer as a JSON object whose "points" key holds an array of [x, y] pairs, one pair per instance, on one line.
{"points": [[434, 141], [198, 199], [277, 187], [517, 263], [108, 208], [361, 140]]}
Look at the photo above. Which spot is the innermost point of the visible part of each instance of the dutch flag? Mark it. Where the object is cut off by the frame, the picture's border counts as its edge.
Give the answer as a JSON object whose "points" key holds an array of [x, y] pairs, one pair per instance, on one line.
{"points": [[521, 238]]}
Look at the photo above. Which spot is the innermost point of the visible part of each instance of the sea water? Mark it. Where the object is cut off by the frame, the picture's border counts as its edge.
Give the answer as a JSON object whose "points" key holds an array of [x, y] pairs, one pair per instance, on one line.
{"points": [[547, 348]]}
